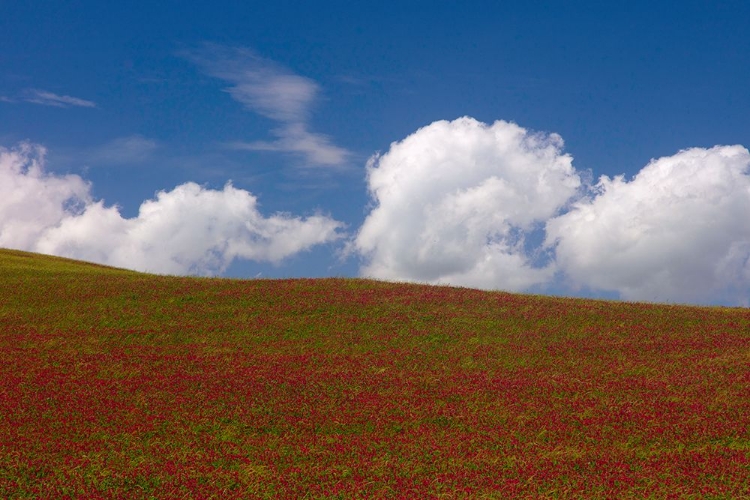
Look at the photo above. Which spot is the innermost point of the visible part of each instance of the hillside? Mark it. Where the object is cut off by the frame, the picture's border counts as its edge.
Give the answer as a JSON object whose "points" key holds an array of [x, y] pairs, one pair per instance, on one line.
{"points": [[115, 383]]}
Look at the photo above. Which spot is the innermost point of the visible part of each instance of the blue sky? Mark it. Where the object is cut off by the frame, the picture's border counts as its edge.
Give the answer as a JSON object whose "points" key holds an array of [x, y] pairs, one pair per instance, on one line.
{"points": [[494, 122]]}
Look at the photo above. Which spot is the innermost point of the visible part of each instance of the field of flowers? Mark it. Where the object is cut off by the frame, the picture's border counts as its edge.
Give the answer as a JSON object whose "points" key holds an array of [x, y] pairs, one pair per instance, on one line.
{"points": [[116, 384]]}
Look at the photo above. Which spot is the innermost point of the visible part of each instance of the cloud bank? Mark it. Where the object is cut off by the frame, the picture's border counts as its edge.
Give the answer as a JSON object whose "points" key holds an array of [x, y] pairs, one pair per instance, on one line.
{"points": [[189, 230], [491, 206], [497, 207], [269, 89]]}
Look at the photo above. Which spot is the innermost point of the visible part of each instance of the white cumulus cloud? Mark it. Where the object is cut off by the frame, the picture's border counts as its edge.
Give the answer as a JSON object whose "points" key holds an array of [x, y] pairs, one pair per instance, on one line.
{"points": [[678, 231], [32, 200], [455, 202], [495, 206], [189, 230]]}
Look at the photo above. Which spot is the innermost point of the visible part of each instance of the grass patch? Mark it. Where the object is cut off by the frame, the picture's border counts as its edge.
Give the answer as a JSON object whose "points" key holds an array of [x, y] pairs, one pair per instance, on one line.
{"points": [[115, 383]]}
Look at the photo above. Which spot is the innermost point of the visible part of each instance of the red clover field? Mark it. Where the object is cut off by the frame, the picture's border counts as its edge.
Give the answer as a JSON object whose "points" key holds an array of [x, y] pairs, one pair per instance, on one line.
{"points": [[117, 384]]}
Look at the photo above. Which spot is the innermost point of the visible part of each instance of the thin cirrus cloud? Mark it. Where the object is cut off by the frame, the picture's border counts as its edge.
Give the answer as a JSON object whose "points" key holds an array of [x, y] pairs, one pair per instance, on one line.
{"points": [[269, 89], [295, 138], [188, 230], [495, 206], [46, 98], [128, 150]]}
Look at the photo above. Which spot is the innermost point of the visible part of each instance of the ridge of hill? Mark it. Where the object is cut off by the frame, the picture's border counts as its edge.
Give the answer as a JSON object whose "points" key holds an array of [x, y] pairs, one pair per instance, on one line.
{"points": [[16, 261]]}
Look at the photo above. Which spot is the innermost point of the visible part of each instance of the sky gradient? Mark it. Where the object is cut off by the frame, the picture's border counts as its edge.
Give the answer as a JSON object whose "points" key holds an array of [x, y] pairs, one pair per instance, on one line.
{"points": [[571, 148]]}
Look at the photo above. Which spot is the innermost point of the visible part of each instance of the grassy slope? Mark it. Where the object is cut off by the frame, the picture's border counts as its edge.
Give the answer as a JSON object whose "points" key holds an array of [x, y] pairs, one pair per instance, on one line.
{"points": [[115, 382]]}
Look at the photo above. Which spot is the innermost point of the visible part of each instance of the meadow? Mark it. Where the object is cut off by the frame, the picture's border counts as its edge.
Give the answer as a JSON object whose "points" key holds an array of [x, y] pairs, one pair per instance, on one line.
{"points": [[116, 384]]}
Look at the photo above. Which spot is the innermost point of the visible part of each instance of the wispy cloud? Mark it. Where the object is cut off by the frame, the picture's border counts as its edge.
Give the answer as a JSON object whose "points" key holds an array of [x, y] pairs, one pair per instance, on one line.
{"points": [[128, 150], [45, 98], [271, 90], [296, 139]]}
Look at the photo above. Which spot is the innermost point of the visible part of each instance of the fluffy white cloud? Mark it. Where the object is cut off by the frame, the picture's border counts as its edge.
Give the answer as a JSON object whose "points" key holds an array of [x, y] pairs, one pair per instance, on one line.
{"points": [[678, 231], [189, 230], [30, 199], [455, 201], [273, 91]]}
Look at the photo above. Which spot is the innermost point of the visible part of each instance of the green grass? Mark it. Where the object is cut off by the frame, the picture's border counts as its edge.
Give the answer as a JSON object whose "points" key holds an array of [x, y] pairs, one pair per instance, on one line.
{"points": [[121, 384]]}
